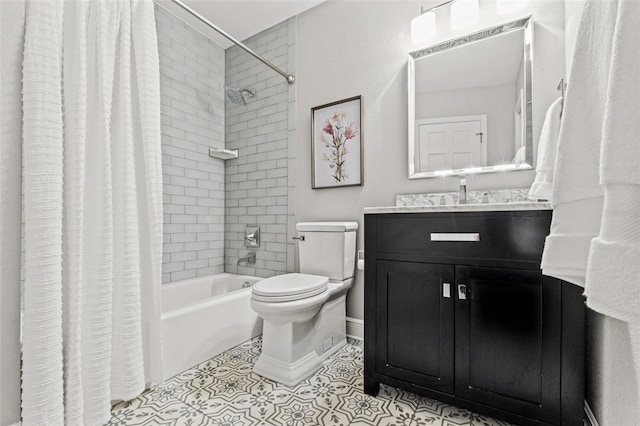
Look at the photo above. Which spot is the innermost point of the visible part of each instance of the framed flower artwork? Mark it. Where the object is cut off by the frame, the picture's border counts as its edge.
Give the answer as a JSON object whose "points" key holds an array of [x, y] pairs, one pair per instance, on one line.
{"points": [[336, 144]]}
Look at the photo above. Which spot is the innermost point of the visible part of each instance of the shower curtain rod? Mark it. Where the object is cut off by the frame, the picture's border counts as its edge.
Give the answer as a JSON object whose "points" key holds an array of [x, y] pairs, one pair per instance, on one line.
{"points": [[290, 79]]}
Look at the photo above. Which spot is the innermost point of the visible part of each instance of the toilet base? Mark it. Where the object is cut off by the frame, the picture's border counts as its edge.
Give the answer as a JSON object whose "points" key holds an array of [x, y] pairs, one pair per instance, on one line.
{"points": [[291, 352], [290, 374]]}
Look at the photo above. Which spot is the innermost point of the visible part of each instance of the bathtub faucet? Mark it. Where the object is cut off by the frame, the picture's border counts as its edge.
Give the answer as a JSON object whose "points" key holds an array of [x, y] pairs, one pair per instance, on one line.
{"points": [[249, 259]]}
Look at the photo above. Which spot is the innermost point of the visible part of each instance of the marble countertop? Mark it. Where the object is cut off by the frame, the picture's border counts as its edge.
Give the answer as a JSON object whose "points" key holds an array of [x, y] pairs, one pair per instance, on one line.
{"points": [[525, 205]]}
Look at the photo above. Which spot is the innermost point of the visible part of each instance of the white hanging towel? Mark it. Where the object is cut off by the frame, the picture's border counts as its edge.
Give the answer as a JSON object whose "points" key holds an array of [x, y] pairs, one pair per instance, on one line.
{"points": [[577, 195], [613, 273], [541, 189]]}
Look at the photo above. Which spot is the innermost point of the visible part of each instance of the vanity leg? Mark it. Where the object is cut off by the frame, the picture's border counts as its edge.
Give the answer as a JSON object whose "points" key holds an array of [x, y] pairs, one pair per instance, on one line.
{"points": [[371, 387]]}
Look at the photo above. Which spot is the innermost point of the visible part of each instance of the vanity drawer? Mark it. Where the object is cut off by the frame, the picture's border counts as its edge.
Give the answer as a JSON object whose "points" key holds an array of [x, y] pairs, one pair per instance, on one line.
{"points": [[513, 235]]}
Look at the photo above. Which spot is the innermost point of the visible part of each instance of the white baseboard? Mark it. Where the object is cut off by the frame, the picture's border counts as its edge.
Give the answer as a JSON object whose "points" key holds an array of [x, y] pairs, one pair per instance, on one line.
{"points": [[591, 418], [355, 328]]}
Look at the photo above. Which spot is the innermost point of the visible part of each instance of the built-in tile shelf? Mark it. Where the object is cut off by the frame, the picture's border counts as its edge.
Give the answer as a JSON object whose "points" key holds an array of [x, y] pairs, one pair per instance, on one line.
{"points": [[223, 154]]}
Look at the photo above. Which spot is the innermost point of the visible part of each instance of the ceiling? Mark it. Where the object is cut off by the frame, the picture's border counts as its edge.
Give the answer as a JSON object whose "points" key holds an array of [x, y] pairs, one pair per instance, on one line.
{"points": [[241, 19]]}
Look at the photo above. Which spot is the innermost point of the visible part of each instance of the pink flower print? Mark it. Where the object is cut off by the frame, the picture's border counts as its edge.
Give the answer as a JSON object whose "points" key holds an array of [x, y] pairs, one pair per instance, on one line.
{"points": [[338, 116], [351, 131], [328, 128], [335, 135]]}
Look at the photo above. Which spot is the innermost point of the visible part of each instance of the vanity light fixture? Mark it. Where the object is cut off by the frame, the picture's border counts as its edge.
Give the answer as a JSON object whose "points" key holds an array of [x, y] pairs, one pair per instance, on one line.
{"points": [[504, 7], [463, 14], [423, 26]]}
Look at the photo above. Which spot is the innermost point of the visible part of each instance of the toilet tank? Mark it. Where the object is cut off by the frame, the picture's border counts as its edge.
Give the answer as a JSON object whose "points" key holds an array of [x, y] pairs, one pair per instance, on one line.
{"points": [[328, 249]]}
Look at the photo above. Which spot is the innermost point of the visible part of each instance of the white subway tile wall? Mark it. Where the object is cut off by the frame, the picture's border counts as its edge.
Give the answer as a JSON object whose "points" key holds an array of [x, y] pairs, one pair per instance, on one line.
{"points": [[259, 184], [192, 89]]}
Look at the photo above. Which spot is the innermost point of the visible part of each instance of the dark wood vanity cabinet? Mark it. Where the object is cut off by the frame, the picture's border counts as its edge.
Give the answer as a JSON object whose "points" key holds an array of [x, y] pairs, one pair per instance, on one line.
{"points": [[473, 323], [415, 338]]}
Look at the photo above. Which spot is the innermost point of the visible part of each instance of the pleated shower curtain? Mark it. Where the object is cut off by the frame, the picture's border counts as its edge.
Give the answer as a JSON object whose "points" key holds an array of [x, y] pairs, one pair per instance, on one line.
{"points": [[92, 208]]}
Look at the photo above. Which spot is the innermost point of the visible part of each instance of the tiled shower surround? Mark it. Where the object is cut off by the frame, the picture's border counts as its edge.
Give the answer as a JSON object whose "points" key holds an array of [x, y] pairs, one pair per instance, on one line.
{"points": [[192, 93], [259, 184], [208, 202]]}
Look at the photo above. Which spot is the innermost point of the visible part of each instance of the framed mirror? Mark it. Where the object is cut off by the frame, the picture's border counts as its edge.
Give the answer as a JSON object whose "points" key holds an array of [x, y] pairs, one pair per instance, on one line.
{"points": [[470, 103]]}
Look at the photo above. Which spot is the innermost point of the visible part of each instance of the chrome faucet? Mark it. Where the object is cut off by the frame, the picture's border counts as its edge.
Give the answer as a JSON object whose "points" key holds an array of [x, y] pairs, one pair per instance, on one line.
{"points": [[249, 259], [463, 190]]}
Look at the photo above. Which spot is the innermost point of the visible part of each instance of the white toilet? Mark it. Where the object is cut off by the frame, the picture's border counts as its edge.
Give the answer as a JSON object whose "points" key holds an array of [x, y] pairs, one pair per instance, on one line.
{"points": [[304, 314]]}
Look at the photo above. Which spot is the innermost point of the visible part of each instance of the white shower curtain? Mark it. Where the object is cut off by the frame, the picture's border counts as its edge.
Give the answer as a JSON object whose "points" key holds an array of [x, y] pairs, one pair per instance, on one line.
{"points": [[92, 208]]}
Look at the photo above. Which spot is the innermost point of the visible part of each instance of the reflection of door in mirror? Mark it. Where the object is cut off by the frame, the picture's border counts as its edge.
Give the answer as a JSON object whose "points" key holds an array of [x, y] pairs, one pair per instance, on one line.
{"points": [[451, 143]]}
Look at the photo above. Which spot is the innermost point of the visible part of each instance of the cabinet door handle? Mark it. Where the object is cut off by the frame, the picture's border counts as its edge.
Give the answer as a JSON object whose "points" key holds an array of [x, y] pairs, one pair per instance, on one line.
{"points": [[462, 292], [446, 290], [455, 236]]}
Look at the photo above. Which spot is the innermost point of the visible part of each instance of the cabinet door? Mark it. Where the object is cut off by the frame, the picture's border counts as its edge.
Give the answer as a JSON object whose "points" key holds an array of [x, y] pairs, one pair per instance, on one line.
{"points": [[414, 320], [508, 337]]}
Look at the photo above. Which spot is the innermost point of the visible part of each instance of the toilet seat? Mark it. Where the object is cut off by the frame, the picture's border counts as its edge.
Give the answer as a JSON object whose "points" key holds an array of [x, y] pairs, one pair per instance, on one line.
{"points": [[289, 287]]}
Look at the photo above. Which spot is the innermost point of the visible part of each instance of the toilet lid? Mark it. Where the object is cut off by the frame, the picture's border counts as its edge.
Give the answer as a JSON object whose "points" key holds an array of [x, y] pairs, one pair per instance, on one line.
{"points": [[290, 287]]}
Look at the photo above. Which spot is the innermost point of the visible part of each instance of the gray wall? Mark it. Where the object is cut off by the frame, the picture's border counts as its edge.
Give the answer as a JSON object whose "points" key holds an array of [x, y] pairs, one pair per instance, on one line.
{"points": [[259, 186], [360, 48], [611, 389], [191, 86], [11, 46]]}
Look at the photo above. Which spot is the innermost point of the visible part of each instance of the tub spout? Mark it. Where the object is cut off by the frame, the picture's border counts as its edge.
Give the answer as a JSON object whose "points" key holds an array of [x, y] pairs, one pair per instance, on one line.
{"points": [[249, 259]]}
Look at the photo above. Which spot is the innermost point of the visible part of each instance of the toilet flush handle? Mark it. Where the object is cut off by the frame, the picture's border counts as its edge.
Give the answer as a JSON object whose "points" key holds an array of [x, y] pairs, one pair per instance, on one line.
{"points": [[301, 238]]}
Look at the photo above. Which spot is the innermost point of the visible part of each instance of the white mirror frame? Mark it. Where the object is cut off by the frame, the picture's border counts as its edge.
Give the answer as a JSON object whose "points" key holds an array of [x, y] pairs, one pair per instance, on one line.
{"points": [[527, 25]]}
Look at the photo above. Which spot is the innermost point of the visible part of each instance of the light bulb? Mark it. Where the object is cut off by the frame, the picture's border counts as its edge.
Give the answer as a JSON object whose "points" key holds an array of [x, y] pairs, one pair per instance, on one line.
{"points": [[464, 13], [423, 27], [504, 7]]}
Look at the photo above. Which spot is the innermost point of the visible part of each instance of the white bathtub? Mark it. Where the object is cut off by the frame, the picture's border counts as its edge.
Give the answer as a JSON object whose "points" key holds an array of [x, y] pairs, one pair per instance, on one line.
{"points": [[202, 317]]}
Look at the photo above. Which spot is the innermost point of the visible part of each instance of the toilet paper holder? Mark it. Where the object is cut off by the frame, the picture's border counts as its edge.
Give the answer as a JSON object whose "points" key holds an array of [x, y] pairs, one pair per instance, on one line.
{"points": [[361, 260]]}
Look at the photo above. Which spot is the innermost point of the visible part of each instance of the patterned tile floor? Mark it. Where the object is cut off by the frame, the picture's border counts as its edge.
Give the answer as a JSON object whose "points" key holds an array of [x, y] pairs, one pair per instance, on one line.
{"points": [[225, 391]]}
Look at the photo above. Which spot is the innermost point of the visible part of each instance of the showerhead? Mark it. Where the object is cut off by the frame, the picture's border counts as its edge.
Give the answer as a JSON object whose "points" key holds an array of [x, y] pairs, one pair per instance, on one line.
{"points": [[237, 95]]}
